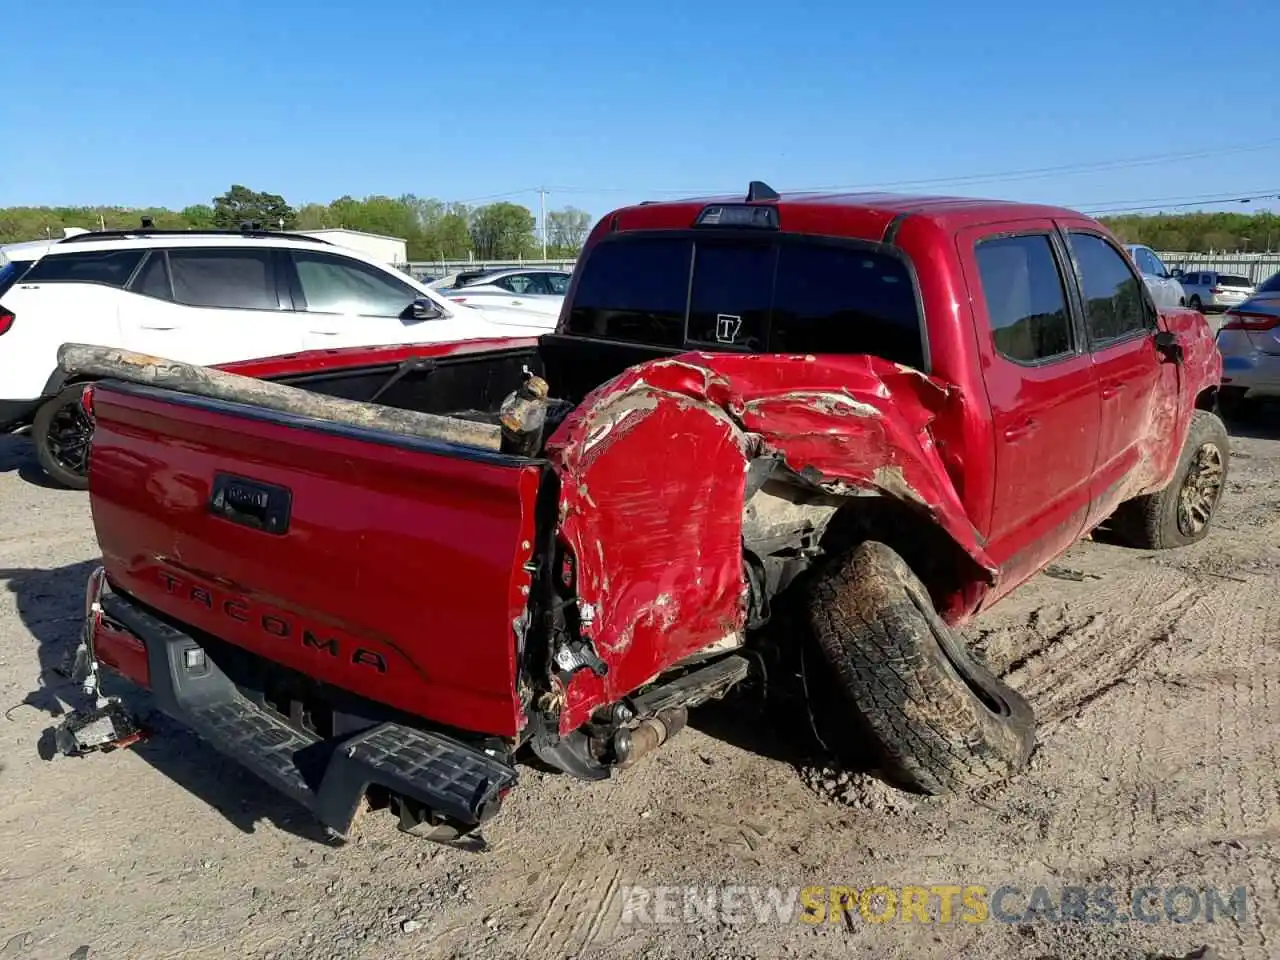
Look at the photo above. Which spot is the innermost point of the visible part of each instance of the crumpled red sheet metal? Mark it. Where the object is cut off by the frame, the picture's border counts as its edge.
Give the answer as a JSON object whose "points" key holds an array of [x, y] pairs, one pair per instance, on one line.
{"points": [[653, 465]]}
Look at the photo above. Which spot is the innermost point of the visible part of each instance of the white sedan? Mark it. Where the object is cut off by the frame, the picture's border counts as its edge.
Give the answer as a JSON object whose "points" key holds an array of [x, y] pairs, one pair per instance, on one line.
{"points": [[535, 290]]}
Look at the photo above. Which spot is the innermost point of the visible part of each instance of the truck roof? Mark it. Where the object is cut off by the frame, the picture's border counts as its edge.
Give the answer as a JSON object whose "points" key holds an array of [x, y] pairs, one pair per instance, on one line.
{"points": [[864, 215]]}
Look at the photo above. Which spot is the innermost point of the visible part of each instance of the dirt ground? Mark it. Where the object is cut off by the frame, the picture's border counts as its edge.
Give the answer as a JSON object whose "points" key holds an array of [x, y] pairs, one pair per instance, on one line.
{"points": [[1156, 678]]}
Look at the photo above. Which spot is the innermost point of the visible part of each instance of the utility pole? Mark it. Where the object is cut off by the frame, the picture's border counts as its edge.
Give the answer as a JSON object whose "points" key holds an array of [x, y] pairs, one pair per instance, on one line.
{"points": [[542, 203]]}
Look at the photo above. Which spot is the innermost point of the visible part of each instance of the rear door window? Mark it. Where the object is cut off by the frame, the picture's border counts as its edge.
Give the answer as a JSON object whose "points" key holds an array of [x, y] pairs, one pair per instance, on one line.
{"points": [[1114, 304], [1026, 300], [153, 279], [110, 267], [243, 279]]}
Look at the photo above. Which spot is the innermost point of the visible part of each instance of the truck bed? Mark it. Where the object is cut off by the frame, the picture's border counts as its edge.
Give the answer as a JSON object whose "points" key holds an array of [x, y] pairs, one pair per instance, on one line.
{"points": [[391, 566]]}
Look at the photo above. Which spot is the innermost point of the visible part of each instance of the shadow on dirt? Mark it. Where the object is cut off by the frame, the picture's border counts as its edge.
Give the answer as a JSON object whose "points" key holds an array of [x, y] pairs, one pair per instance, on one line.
{"points": [[50, 604], [1258, 421], [787, 709], [17, 455]]}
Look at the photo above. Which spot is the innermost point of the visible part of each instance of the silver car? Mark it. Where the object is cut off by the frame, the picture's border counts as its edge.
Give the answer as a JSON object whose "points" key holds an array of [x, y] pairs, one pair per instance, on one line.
{"points": [[1166, 291], [1249, 342], [1209, 290]]}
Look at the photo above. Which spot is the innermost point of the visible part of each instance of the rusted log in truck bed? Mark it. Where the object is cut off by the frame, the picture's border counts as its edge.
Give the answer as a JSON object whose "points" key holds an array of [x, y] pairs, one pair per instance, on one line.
{"points": [[84, 361]]}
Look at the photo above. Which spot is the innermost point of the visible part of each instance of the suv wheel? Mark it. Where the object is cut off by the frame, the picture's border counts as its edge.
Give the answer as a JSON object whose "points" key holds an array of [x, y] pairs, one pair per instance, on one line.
{"points": [[62, 433], [1195, 304]]}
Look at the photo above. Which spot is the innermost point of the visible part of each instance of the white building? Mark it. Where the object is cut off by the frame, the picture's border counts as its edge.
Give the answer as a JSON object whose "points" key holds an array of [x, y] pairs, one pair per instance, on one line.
{"points": [[389, 250]]}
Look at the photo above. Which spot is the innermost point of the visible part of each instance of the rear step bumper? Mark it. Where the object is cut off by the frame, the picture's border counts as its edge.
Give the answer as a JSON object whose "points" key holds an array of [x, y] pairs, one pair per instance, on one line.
{"points": [[328, 777]]}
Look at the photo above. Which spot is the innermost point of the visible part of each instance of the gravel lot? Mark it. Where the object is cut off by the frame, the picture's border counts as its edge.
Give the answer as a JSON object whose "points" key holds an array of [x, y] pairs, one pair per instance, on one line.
{"points": [[1156, 678]]}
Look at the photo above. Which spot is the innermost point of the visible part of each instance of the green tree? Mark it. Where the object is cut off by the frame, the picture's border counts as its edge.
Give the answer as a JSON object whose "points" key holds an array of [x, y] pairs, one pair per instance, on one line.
{"points": [[313, 216], [501, 231], [240, 204], [567, 229], [198, 216]]}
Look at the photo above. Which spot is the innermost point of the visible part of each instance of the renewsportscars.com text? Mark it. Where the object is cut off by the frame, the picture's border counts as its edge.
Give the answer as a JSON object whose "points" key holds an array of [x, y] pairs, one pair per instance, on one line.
{"points": [[936, 903]]}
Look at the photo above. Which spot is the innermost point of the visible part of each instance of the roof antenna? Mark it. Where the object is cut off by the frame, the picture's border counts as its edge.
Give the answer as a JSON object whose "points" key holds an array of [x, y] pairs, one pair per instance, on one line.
{"points": [[759, 190]]}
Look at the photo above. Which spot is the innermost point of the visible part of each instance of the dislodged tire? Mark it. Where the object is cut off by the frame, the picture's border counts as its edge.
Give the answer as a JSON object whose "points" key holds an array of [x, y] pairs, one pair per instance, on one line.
{"points": [[62, 432], [1180, 513], [938, 720]]}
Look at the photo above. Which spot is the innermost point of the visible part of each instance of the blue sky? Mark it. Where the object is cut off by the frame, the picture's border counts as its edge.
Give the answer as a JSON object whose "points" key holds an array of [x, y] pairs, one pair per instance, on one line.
{"points": [[140, 102]]}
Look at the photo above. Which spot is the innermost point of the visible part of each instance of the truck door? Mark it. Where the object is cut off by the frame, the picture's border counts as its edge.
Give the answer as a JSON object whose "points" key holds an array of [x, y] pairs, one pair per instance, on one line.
{"points": [[1041, 388], [1138, 388]]}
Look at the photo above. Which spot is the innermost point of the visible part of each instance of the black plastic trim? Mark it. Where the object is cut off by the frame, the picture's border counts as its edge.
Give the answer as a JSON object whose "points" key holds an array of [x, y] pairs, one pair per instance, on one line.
{"points": [[143, 233], [891, 230], [328, 777]]}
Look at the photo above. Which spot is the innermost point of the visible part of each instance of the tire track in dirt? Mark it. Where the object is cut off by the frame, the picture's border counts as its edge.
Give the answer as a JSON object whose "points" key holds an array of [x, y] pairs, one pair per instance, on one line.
{"points": [[1082, 655]]}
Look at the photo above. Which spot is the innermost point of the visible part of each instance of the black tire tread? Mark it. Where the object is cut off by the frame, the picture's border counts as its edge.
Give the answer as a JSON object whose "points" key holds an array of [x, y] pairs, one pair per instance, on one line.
{"points": [[40, 437], [931, 732], [1150, 522]]}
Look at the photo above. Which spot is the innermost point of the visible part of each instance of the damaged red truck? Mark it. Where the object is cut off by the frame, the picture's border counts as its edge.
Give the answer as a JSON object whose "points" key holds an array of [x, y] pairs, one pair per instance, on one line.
{"points": [[383, 572]]}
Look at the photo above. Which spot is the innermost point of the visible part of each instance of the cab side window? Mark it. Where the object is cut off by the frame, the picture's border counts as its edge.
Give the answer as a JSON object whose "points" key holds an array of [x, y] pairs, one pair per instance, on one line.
{"points": [[1114, 303], [1026, 299]]}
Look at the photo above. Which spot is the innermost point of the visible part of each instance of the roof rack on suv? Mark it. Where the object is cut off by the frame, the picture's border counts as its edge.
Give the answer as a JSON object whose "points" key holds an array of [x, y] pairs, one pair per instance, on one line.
{"points": [[146, 230]]}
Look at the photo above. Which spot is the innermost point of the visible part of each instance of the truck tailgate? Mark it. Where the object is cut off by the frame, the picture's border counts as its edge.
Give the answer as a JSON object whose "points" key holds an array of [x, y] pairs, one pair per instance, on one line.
{"points": [[389, 566]]}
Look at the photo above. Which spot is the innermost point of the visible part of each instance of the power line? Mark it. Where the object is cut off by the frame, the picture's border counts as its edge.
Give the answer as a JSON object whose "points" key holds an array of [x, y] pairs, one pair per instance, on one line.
{"points": [[1032, 173], [500, 196], [1169, 203]]}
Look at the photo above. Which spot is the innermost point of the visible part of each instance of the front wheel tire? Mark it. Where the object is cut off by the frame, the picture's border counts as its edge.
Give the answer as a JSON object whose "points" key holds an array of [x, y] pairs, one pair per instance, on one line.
{"points": [[63, 432], [1181, 513], [939, 721]]}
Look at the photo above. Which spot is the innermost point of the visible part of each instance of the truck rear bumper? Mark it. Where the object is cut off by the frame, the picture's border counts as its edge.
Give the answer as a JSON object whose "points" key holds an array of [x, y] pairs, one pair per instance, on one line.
{"points": [[330, 777]]}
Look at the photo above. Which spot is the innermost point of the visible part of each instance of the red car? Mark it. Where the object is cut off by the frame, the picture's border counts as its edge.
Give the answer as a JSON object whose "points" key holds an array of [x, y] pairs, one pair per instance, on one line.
{"points": [[387, 571]]}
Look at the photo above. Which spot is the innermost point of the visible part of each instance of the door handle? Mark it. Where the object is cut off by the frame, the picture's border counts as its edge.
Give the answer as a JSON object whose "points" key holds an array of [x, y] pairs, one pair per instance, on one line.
{"points": [[1020, 430]]}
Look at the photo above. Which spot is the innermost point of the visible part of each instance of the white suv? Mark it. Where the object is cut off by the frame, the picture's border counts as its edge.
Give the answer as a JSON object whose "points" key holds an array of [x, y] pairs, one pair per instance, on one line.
{"points": [[205, 298]]}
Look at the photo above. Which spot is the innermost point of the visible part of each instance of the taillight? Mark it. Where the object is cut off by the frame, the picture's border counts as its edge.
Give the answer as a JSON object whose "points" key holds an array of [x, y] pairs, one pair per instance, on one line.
{"points": [[1252, 321], [1215, 290], [86, 399], [6, 320]]}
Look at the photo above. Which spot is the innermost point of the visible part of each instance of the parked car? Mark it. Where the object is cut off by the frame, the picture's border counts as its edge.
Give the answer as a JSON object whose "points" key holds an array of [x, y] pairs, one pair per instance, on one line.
{"points": [[1209, 290], [541, 291], [1249, 342], [451, 280], [1165, 288], [208, 298], [546, 282], [763, 433]]}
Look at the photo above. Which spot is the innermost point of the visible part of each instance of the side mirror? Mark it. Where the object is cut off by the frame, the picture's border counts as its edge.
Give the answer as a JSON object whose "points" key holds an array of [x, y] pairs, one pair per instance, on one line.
{"points": [[1167, 345], [425, 309]]}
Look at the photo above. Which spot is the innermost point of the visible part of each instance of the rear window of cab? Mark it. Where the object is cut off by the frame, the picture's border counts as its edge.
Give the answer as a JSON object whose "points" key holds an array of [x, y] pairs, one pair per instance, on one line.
{"points": [[776, 293]]}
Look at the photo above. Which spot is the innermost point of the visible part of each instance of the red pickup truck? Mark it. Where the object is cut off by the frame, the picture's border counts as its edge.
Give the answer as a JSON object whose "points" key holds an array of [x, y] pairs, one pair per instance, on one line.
{"points": [[383, 572]]}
